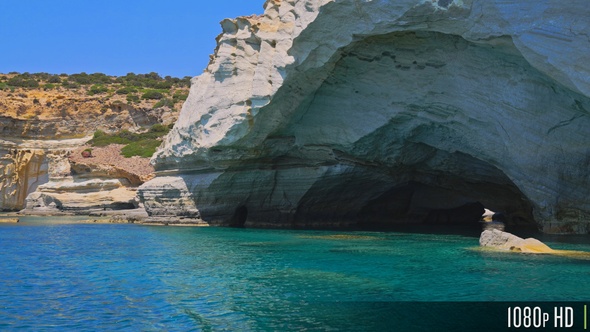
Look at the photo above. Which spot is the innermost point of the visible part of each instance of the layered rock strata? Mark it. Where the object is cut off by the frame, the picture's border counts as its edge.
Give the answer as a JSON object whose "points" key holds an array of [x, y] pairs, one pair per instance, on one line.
{"points": [[348, 112], [27, 164], [41, 128], [107, 181], [47, 177]]}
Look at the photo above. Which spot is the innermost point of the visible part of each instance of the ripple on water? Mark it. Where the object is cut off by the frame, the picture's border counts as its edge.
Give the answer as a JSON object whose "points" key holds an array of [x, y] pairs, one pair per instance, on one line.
{"points": [[130, 277]]}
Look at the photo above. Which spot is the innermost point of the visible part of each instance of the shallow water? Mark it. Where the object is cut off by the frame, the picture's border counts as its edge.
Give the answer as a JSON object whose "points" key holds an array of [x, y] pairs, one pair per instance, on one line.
{"points": [[62, 275]]}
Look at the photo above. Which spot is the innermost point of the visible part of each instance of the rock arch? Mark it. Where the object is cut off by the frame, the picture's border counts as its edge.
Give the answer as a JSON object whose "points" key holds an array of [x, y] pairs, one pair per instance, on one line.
{"points": [[330, 119]]}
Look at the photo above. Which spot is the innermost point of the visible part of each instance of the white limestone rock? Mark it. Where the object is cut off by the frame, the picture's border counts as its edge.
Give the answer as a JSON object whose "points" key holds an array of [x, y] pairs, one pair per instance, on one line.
{"points": [[21, 172], [389, 110], [509, 242]]}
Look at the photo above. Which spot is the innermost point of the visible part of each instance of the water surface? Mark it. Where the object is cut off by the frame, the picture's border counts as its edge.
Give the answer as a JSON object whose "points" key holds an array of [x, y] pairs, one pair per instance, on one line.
{"points": [[57, 275]]}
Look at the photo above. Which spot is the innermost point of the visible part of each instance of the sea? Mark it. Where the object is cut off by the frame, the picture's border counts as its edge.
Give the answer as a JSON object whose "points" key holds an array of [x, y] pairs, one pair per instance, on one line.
{"points": [[57, 274]]}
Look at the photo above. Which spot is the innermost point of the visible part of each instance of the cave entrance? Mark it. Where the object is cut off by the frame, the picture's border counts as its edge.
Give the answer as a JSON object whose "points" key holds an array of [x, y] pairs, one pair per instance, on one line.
{"points": [[385, 198], [239, 217], [418, 125], [416, 203]]}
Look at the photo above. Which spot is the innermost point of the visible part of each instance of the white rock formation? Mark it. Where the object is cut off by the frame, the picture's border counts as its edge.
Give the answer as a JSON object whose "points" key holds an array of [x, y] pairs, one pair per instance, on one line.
{"points": [[79, 188], [380, 111], [27, 164], [37, 175], [509, 242], [21, 172]]}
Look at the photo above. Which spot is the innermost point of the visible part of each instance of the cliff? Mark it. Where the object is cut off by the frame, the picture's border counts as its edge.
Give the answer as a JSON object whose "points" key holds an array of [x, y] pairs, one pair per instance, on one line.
{"points": [[345, 112], [78, 185], [47, 120]]}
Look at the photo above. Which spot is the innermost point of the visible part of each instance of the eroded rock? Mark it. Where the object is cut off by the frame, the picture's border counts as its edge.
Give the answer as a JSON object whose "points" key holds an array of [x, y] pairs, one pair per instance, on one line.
{"points": [[78, 185], [505, 241], [343, 112], [21, 172]]}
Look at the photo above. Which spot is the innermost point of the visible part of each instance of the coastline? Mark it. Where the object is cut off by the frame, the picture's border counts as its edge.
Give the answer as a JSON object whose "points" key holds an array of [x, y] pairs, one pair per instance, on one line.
{"points": [[132, 216]]}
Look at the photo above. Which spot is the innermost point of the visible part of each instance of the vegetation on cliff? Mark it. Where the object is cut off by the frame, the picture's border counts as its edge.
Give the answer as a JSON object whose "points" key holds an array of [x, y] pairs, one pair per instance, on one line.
{"points": [[136, 144], [135, 110], [139, 81], [42, 95]]}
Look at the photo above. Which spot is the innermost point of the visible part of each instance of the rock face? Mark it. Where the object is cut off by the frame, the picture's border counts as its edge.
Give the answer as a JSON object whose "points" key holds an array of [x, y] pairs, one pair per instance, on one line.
{"points": [[22, 171], [349, 112], [41, 177], [509, 242], [105, 181], [40, 127]]}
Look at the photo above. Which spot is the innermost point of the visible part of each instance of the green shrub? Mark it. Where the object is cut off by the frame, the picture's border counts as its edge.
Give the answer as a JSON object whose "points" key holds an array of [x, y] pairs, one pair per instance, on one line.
{"points": [[41, 76], [97, 89], [24, 81], [164, 102], [143, 145], [54, 79], [159, 128], [180, 96], [127, 135], [103, 139], [70, 85], [81, 78], [99, 133], [144, 148], [132, 98], [151, 80], [3, 86], [162, 85], [152, 94], [48, 86], [185, 81], [100, 78], [126, 90]]}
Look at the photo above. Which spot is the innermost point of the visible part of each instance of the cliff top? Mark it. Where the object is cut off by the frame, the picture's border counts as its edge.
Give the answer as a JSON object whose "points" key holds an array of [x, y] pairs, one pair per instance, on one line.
{"points": [[42, 96]]}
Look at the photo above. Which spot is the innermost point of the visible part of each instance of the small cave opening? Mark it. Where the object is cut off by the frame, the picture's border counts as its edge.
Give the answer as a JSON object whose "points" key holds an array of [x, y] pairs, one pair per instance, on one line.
{"points": [[239, 217], [416, 204]]}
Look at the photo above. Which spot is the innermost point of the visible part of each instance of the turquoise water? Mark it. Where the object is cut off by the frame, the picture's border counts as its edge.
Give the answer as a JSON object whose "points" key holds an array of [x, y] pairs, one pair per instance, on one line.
{"points": [[63, 276]]}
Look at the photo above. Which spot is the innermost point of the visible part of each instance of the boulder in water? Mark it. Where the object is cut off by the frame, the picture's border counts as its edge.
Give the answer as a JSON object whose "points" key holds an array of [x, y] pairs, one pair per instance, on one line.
{"points": [[505, 241]]}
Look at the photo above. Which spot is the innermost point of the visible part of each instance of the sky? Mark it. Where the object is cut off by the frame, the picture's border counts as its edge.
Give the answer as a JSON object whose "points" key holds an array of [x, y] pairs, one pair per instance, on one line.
{"points": [[115, 37]]}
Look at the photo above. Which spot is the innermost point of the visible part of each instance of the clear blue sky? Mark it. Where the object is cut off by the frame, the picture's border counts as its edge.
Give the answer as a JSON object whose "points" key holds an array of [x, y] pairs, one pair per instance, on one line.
{"points": [[170, 37]]}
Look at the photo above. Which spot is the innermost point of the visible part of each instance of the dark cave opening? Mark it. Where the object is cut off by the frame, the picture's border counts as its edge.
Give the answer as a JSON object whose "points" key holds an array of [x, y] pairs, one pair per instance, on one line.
{"points": [[420, 204], [418, 143], [372, 198], [239, 217]]}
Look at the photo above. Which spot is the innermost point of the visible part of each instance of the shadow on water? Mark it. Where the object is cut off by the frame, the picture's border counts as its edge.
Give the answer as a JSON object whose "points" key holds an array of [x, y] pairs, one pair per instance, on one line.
{"points": [[469, 230]]}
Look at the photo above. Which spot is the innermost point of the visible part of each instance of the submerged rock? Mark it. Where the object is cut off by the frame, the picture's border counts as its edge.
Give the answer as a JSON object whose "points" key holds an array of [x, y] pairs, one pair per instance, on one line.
{"points": [[321, 112]]}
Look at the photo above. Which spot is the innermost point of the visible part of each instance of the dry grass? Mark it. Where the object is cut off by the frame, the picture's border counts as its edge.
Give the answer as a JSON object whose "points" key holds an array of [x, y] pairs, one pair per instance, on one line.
{"points": [[111, 155]]}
